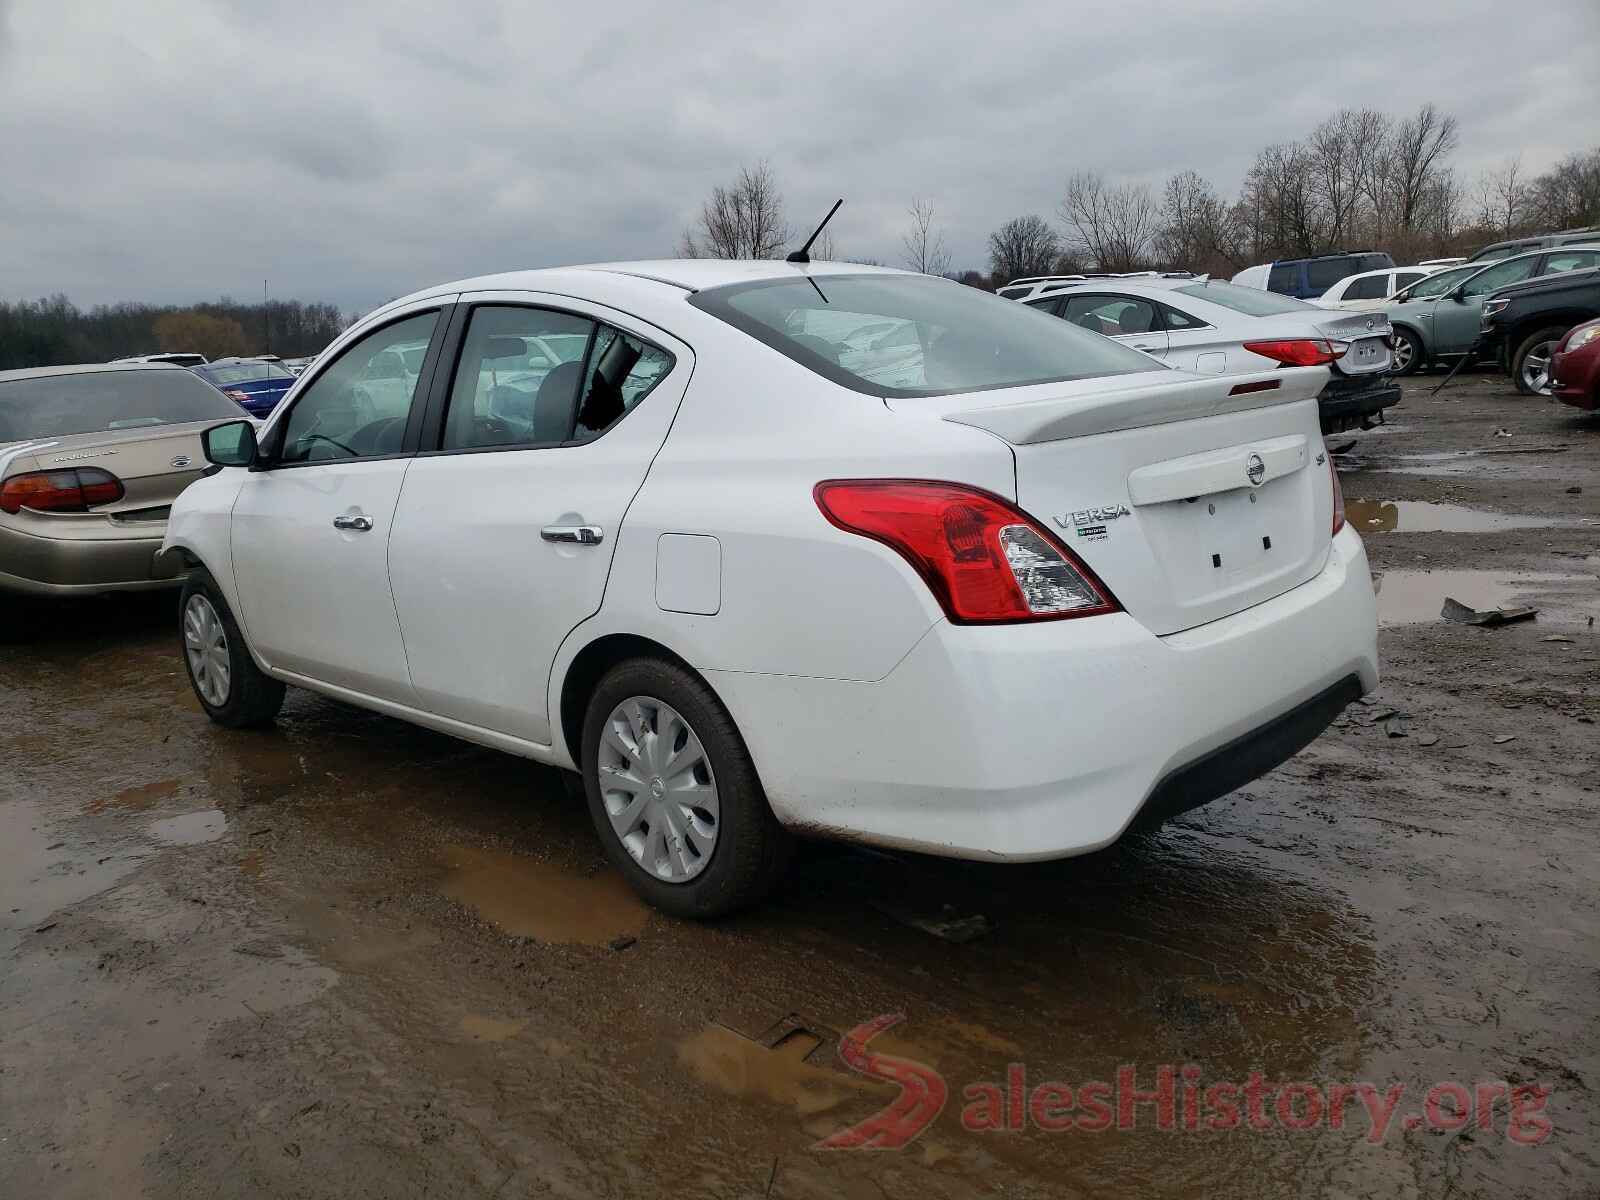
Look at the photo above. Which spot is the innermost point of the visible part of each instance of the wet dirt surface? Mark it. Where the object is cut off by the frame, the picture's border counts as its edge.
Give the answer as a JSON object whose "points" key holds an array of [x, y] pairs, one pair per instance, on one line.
{"points": [[346, 957]]}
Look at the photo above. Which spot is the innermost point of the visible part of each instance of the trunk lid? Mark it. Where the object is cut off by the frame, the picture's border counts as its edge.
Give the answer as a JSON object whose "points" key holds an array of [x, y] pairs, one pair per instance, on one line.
{"points": [[154, 463], [1191, 498], [1368, 335]]}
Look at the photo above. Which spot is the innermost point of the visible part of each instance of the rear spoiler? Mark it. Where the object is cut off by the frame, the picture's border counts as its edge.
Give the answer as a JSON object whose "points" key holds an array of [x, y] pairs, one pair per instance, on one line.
{"points": [[1186, 399]]}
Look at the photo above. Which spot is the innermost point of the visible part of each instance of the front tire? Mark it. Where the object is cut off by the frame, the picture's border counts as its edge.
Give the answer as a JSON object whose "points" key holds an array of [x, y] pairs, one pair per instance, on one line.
{"points": [[674, 795], [1530, 365], [230, 687], [1409, 357]]}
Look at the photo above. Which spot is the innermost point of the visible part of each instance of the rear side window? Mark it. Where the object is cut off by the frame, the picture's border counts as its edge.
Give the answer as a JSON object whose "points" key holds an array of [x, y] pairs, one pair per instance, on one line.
{"points": [[1568, 260], [1180, 320], [1323, 273], [621, 371], [1373, 287], [1285, 278], [1407, 278], [1372, 262], [941, 337], [1013, 292]]}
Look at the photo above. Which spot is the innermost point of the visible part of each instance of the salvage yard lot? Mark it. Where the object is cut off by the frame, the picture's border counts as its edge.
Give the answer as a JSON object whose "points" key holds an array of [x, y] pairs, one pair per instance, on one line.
{"points": [[344, 956]]}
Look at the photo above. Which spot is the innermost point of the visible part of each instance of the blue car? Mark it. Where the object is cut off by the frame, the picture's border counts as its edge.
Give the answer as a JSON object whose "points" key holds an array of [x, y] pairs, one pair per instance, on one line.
{"points": [[255, 384]]}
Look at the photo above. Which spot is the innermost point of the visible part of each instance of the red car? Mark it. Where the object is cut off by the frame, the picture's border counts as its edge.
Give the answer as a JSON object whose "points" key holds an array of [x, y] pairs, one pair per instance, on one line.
{"points": [[1575, 366]]}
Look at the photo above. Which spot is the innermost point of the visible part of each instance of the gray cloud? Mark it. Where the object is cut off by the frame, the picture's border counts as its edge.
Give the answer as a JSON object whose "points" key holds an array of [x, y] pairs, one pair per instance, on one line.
{"points": [[172, 151]]}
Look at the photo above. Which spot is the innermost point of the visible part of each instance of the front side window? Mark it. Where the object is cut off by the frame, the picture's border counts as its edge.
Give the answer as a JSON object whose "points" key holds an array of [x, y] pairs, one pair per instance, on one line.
{"points": [[358, 406], [1431, 286], [1512, 270], [943, 338]]}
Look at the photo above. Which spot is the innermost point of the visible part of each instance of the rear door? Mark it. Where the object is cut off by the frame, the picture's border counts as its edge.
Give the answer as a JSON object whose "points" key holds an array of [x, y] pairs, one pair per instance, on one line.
{"points": [[311, 530], [510, 514]]}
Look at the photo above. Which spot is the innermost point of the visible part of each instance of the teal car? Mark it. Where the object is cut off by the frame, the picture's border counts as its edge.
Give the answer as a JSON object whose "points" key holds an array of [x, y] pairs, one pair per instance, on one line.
{"points": [[1437, 318]]}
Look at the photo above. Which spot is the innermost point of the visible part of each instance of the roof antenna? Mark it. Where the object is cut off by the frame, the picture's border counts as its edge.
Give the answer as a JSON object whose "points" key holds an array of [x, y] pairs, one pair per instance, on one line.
{"points": [[801, 255]]}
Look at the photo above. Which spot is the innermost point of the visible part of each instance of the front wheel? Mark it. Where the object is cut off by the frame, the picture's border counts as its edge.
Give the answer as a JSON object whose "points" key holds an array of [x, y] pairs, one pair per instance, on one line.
{"points": [[674, 794], [1530, 365], [230, 687], [1408, 355]]}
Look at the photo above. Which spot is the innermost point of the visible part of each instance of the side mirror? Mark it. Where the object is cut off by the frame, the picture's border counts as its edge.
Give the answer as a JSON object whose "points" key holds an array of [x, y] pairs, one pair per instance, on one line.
{"points": [[230, 445], [1459, 295]]}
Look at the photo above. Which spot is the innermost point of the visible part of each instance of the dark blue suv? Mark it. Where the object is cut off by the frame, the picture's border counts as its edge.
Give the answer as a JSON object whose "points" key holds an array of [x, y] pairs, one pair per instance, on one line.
{"points": [[1305, 278]]}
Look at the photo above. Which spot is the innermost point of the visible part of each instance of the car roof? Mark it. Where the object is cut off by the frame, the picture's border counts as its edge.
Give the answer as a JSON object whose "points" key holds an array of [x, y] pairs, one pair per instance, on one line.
{"points": [[1151, 283], [86, 369], [690, 274]]}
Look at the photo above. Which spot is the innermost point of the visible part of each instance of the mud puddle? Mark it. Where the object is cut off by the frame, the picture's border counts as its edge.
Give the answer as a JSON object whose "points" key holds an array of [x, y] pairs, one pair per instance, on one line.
{"points": [[191, 829], [137, 799], [1420, 516], [784, 1074], [1415, 597], [528, 898], [40, 875]]}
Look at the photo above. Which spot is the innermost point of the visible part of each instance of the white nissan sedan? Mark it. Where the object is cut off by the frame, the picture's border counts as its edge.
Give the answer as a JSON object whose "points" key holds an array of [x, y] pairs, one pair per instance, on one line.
{"points": [[774, 549]]}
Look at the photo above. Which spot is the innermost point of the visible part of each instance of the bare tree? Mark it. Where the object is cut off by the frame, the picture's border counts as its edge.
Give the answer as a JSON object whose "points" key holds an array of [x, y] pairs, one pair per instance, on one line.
{"points": [[923, 245], [744, 220], [1023, 246], [1335, 165], [1198, 230], [1503, 197], [1285, 219], [1568, 195], [1114, 224], [1417, 149]]}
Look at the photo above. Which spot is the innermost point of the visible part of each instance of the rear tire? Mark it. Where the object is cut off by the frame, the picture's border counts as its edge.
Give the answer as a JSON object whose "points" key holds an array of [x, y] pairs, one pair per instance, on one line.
{"points": [[230, 687], [682, 813], [1530, 365], [1409, 357]]}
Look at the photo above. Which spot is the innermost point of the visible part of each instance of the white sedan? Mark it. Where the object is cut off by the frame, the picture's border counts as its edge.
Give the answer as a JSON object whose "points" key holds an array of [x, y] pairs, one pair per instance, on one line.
{"points": [[1371, 290], [1002, 597], [1218, 328]]}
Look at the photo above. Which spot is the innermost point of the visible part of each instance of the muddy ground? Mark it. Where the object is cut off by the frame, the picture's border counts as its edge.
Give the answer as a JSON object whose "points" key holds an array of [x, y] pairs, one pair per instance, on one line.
{"points": [[344, 957]]}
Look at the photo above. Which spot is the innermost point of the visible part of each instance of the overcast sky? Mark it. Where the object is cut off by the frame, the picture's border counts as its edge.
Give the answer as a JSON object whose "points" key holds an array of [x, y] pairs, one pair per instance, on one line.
{"points": [[353, 152]]}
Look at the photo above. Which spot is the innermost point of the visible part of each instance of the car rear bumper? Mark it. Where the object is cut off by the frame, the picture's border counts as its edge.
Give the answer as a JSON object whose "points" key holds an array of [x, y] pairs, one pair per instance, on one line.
{"points": [[1040, 741], [45, 566], [1348, 401]]}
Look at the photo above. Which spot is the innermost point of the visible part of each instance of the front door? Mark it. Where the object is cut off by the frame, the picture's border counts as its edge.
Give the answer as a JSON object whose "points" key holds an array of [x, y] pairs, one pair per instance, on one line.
{"points": [[311, 528], [507, 524], [1131, 320], [1458, 313]]}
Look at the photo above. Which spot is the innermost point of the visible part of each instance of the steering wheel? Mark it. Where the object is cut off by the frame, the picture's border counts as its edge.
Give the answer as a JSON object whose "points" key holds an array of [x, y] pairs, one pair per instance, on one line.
{"points": [[371, 438]]}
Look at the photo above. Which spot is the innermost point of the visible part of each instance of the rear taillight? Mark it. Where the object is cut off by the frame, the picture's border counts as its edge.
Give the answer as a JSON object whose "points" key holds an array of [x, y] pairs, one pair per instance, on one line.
{"points": [[1338, 498], [1299, 352], [77, 489], [983, 559]]}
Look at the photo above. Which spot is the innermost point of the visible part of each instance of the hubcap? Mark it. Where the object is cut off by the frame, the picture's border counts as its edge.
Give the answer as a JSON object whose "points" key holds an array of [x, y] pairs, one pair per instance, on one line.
{"points": [[205, 645], [1536, 369], [658, 789], [1402, 353]]}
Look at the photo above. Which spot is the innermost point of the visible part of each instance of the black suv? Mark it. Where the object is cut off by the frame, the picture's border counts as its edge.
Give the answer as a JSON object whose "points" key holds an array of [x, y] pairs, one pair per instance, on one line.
{"points": [[1523, 322]]}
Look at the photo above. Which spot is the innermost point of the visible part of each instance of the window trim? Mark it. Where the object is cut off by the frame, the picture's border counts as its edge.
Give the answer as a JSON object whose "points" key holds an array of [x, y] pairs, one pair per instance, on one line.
{"points": [[432, 428], [443, 308], [1163, 308]]}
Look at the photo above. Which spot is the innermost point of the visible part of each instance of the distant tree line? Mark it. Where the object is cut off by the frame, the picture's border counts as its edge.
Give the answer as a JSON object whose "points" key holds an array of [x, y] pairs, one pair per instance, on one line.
{"points": [[1361, 180], [37, 333]]}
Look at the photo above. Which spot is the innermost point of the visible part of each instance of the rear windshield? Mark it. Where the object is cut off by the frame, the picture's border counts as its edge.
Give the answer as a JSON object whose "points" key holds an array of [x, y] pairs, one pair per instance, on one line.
{"points": [[102, 401], [250, 372], [1253, 302], [909, 335]]}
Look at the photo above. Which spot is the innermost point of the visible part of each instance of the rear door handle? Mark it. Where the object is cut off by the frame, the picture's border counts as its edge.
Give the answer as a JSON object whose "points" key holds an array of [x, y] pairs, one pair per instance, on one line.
{"points": [[358, 524], [1147, 347], [584, 535]]}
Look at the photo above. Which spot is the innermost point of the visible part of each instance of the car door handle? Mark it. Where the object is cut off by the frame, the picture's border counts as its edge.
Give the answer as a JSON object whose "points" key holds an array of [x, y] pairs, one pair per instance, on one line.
{"points": [[358, 524], [584, 535], [1147, 347]]}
